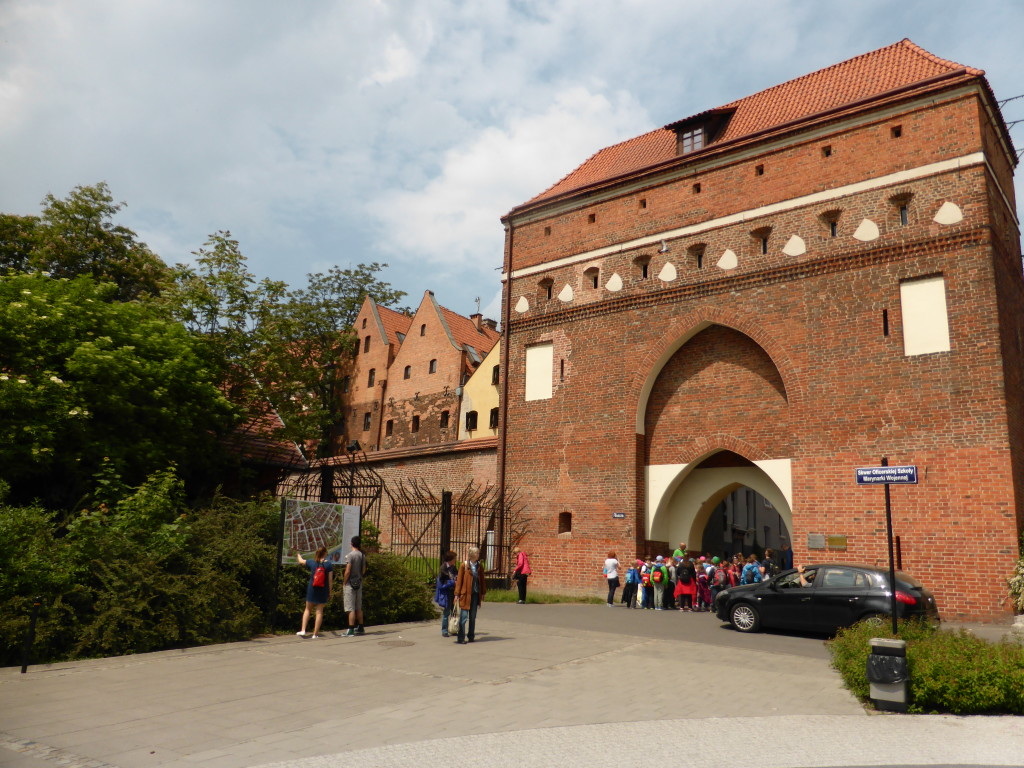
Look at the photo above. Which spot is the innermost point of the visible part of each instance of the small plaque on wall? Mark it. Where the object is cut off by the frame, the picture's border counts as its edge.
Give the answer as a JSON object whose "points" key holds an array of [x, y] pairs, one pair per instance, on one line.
{"points": [[815, 541], [836, 542], [619, 515]]}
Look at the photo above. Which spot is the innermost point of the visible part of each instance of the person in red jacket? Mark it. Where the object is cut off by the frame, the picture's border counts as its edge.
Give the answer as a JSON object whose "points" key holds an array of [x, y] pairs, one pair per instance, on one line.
{"points": [[521, 573]]}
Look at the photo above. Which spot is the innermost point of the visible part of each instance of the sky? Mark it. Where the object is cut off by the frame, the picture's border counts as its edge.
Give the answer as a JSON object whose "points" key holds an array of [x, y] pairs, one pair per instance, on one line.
{"points": [[340, 132]]}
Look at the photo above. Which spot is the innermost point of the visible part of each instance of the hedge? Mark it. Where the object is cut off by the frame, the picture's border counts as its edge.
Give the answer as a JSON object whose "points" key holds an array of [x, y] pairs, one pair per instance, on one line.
{"points": [[950, 671]]}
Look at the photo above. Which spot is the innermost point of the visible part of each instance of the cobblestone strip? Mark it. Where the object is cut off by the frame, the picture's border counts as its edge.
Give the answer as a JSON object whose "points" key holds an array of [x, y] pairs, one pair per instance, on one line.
{"points": [[50, 754]]}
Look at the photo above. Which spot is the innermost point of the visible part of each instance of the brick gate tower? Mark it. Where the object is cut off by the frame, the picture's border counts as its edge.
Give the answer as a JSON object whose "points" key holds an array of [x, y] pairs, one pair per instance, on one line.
{"points": [[761, 298]]}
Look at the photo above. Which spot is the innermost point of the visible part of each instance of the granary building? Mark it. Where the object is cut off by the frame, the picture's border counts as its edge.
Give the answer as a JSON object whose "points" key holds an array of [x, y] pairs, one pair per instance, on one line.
{"points": [[708, 328]]}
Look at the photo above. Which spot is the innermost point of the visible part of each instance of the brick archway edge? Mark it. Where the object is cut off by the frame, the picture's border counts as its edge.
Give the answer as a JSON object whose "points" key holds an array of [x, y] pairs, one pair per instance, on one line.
{"points": [[688, 326]]}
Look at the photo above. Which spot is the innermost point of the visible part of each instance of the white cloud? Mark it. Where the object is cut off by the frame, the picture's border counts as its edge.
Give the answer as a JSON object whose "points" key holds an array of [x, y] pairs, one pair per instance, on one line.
{"points": [[453, 218]]}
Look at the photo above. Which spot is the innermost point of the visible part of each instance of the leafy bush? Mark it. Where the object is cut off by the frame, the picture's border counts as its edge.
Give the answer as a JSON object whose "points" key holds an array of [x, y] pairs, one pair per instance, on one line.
{"points": [[1016, 582], [952, 672]]}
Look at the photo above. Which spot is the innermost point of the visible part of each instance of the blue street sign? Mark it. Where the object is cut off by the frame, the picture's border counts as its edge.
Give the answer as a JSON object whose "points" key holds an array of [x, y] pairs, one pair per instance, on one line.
{"points": [[879, 475]]}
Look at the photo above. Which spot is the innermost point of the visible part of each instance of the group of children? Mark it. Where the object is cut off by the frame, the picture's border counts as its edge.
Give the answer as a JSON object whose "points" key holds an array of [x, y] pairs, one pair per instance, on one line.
{"points": [[690, 583]]}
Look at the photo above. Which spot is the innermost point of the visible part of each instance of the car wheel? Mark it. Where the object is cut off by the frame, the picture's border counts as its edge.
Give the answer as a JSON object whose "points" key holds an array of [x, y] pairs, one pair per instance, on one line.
{"points": [[744, 617]]}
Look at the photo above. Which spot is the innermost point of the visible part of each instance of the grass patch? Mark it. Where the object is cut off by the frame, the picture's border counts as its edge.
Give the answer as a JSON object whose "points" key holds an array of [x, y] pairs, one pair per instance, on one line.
{"points": [[537, 598], [950, 672]]}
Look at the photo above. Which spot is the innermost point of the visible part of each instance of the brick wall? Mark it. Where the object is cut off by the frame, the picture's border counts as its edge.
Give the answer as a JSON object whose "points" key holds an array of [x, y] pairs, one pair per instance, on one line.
{"points": [[786, 357]]}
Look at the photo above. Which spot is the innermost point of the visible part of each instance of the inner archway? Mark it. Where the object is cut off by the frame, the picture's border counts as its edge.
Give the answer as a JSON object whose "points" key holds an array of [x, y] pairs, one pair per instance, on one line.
{"points": [[688, 500]]}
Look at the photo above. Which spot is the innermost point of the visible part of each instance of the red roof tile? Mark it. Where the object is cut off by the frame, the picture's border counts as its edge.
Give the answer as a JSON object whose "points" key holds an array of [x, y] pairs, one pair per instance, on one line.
{"points": [[868, 75], [465, 332], [394, 323]]}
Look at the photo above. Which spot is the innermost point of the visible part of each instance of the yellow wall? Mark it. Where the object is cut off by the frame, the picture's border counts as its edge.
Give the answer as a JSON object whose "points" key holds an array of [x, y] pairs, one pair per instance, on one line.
{"points": [[480, 395]]}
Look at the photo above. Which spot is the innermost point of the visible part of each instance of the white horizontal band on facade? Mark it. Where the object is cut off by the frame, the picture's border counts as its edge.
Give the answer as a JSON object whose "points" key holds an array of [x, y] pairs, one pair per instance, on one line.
{"points": [[932, 169]]}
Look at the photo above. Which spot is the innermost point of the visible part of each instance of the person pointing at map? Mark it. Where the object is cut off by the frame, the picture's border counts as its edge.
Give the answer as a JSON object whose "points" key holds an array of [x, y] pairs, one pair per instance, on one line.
{"points": [[318, 591]]}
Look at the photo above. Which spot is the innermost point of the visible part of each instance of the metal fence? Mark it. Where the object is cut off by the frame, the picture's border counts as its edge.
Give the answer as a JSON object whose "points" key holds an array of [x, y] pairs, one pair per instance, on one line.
{"points": [[424, 526]]}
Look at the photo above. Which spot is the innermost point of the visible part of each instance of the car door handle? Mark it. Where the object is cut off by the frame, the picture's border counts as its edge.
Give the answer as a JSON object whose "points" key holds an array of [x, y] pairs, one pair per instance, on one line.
{"points": [[853, 599]]}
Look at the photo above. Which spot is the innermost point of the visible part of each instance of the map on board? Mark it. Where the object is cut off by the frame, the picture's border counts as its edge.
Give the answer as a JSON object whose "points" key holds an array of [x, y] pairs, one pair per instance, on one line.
{"points": [[309, 525]]}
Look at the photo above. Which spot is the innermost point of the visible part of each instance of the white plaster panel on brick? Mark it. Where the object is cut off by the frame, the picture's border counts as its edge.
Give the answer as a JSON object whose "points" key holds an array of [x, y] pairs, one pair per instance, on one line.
{"points": [[949, 213], [522, 305], [795, 246], [614, 283], [540, 366], [835, 193], [925, 320], [566, 294], [676, 495], [668, 272], [867, 231], [728, 260]]}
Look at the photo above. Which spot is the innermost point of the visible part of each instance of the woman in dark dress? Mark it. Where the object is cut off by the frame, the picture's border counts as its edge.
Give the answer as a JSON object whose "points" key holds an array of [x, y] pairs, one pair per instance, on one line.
{"points": [[316, 596]]}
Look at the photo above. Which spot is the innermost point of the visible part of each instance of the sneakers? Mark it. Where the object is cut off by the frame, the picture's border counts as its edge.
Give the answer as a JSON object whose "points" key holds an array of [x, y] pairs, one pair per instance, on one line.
{"points": [[301, 634], [521, 602], [360, 630], [351, 633], [315, 637]]}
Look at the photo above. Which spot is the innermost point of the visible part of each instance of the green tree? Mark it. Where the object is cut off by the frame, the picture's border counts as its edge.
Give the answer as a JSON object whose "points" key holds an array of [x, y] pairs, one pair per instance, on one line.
{"points": [[85, 379], [289, 348], [77, 236]]}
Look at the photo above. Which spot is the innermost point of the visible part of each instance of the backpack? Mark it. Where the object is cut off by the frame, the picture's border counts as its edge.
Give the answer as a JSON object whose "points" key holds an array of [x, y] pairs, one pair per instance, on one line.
{"points": [[320, 576], [658, 575], [722, 579], [684, 576], [645, 578], [632, 576]]}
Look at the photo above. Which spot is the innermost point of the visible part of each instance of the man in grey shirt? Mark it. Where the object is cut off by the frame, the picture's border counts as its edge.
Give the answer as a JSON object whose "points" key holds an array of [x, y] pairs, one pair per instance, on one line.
{"points": [[355, 569]]}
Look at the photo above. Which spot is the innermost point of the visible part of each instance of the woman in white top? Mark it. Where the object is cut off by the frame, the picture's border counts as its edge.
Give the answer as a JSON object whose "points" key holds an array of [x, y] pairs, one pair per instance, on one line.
{"points": [[611, 572]]}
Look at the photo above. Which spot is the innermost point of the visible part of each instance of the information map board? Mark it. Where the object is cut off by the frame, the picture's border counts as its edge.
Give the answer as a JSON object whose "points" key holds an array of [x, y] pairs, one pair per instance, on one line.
{"points": [[309, 525]]}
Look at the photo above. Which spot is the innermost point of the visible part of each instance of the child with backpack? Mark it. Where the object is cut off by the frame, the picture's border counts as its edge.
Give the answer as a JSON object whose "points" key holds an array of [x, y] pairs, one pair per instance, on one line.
{"points": [[686, 585], [632, 584]]}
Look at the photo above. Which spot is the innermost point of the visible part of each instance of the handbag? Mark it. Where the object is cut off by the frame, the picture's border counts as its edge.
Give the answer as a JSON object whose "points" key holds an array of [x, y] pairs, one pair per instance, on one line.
{"points": [[453, 620]]}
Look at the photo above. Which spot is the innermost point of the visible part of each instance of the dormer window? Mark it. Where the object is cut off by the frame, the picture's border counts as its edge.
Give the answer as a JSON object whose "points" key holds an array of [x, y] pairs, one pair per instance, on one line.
{"points": [[695, 133], [691, 140]]}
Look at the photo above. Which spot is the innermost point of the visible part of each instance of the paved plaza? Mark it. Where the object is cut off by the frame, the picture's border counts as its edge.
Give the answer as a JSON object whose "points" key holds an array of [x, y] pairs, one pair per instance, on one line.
{"points": [[542, 686]]}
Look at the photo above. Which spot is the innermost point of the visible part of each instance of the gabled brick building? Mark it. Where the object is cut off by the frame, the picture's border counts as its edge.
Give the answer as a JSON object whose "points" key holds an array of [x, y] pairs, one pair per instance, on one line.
{"points": [[768, 295]]}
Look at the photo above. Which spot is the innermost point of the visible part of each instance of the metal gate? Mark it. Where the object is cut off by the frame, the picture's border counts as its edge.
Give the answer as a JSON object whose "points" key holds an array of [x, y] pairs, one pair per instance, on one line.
{"points": [[424, 526]]}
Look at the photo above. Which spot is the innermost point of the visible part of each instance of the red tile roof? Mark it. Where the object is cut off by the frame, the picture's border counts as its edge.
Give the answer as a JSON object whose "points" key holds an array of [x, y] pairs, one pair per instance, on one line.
{"points": [[394, 323], [465, 332], [869, 75]]}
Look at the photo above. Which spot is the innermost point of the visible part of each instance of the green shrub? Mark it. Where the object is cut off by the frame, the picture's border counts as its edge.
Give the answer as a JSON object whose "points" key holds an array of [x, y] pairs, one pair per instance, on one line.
{"points": [[391, 594], [953, 672]]}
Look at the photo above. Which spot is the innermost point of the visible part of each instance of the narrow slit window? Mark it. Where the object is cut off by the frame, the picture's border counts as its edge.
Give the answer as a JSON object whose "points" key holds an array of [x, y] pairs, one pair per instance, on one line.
{"points": [[643, 202], [696, 188], [493, 421], [407, 373], [389, 428], [904, 215], [885, 322], [826, 151], [415, 423], [896, 131], [764, 246], [759, 170], [592, 218], [432, 368], [367, 420], [366, 344], [444, 419], [561, 370], [547, 231], [371, 377], [833, 228]]}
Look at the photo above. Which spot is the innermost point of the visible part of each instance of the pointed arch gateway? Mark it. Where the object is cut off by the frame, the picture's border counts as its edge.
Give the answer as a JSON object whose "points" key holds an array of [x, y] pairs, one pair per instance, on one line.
{"points": [[714, 414]]}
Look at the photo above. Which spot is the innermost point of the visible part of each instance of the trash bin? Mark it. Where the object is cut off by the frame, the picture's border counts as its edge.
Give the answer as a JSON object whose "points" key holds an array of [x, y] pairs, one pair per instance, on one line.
{"points": [[888, 674]]}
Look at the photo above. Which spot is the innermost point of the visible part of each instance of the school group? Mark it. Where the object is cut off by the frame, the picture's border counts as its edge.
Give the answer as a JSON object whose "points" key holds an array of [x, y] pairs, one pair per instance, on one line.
{"points": [[688, 583]]}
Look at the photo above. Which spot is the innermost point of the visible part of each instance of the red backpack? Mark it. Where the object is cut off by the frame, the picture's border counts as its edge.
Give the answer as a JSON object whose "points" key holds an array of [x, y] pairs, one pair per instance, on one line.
{"points": [[658, 574], [320, 576]]}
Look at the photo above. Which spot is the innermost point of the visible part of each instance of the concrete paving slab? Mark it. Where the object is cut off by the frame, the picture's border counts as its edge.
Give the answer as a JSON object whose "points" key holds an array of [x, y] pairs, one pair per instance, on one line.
{"points": [[549, 678]]}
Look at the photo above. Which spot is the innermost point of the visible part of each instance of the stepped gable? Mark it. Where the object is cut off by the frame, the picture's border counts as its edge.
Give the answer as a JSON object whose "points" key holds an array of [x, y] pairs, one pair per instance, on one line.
{"points": [[869, 75]]}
